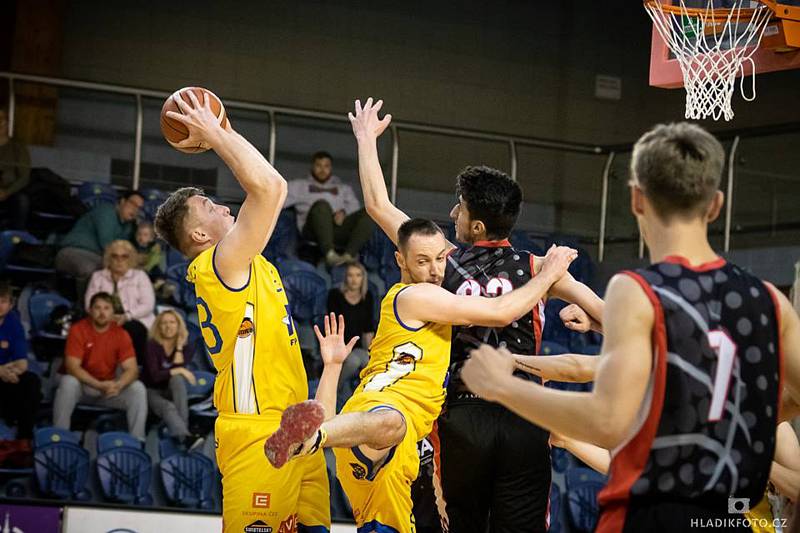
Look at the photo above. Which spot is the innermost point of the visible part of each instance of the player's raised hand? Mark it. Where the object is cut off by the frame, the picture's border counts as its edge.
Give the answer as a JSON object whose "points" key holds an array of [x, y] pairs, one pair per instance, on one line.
{"points": [[557, 261], [198, 118], [331, 345], [575, 318], [487, 370], [365, 122]]}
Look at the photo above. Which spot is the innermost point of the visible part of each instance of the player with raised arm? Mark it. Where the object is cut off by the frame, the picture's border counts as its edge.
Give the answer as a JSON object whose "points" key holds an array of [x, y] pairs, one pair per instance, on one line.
{"points": [[403, 385], [695, 355], [248, 330], [507, 486]]}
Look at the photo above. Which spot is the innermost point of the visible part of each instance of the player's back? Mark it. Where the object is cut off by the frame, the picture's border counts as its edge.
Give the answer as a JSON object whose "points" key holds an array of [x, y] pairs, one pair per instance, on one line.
{"points": [[408, 363], [706, 430], [251, 337]]}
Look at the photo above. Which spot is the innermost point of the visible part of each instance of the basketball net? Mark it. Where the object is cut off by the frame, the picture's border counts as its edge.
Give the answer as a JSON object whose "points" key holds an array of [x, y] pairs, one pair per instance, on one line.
{"points": [[711, 46]]}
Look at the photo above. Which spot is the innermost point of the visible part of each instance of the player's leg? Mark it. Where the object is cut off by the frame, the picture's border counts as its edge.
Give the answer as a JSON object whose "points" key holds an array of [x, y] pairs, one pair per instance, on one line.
{"points": [[313, 504], [521, 491], [464, 444]]}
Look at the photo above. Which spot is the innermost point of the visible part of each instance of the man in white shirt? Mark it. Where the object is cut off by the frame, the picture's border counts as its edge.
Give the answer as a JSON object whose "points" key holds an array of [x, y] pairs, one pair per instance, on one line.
{"points": [[328, 212]]}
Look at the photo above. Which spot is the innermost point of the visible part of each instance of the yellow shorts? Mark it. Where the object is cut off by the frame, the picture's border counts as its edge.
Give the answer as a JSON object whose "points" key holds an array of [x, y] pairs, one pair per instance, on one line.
{"points": [[381, 498], [294, 498]]}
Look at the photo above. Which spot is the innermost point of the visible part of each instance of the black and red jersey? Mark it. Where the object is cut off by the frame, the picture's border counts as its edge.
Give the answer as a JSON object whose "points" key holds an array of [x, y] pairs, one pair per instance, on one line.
{"points": [[492, 268], [706, 428]]}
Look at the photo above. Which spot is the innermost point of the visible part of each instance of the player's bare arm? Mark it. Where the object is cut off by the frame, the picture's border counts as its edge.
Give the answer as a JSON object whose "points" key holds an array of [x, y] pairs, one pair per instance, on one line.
{"points": [[576, 319], [568, 367], [605, 415], [790, 346], [333, 351], [265, 189], [367, 127], [430, 303]]}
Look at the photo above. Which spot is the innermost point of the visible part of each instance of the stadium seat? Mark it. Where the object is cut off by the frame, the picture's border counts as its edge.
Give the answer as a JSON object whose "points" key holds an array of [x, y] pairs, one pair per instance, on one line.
{"points": [[174, 257], [552, 348], [373, 253], [91, 193], [188, 480], [520, 240], [62, 469], [559, 459], [8, 241], [51, 434], [184, 290], [307, 294], [124, 473], [591, 349], [166, 446], [117, 439], [204, 386], [40, 307], [152, 199], [556, 525], [288, 266], [582, 485], [283, 241]]}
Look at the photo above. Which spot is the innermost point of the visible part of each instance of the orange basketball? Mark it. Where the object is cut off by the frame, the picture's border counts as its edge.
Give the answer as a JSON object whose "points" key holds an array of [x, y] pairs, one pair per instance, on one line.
{"points": [[175, 131]]}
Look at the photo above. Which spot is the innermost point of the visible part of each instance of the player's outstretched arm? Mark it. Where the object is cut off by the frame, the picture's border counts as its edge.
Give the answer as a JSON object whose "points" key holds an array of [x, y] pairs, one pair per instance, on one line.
{"points": [[367, 128], [568, 367], [605, 415], [576, 319], [573, 291], [333, 351], [790, 346], [594, 456], [264, 187], [431, 303]]}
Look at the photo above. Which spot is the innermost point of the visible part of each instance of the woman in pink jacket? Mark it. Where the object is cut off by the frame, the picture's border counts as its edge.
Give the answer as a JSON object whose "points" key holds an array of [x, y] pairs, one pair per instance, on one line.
{"points": [[131, 289]]}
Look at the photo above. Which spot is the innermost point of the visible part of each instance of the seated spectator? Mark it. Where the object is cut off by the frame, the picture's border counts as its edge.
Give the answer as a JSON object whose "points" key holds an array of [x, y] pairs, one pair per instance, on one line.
{"points": [[148, 250], [82, 248], [131, 291], [166, 376], [328, 212], [96, 349], [20, 390], [354, 301], [15, 173]]}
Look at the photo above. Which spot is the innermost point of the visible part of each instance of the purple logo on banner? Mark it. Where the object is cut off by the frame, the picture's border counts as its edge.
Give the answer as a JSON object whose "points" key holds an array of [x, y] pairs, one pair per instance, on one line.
{"points": [[25, 519]]}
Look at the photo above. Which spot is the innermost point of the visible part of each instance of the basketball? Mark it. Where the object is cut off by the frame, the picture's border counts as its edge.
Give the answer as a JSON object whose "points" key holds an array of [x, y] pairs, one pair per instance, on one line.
{"points": [[175, 131]]}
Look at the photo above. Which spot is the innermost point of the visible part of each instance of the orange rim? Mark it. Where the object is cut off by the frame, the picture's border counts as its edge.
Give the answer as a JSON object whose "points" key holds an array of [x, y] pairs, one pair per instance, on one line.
{"points": [[715, 14]]}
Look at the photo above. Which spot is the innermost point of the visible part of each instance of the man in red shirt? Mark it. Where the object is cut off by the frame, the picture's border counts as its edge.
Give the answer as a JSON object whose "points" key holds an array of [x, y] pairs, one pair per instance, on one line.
{"points": [[95, 346]]}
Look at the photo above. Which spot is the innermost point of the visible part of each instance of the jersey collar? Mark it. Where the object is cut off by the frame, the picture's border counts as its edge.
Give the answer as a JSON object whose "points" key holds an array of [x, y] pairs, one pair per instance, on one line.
{"points": [[704, 267], [493, 244]]}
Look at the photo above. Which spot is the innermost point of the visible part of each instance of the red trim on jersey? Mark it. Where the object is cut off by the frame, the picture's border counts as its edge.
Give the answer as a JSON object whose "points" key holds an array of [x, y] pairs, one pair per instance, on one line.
{"points": [[629, 462], [493, 244], [536, 313], [438, 489], [703, 267], [777, 305]]}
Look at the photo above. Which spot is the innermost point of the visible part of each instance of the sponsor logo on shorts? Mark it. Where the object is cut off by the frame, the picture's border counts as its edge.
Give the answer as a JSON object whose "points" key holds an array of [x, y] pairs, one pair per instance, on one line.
{"points": [[258, 527], [246, 328], [359, 472], [289, 525], [261, 499]]}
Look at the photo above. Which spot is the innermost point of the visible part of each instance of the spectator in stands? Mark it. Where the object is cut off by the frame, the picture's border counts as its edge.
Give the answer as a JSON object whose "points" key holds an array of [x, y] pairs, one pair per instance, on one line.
{"points": [[148, 249], [328, 212], [131, 291], [166, 376], [353, 299], [96, 349], [15, 172], [82, 248], [20, 390]]}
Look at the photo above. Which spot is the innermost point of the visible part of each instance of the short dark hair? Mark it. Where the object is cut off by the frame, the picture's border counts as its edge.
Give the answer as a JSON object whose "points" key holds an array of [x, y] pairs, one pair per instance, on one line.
{"points": [[127, 193], [415, 226], [321, 155], [171, 217], [678, 166], [102, 295], [5, 287], [492, 197]]}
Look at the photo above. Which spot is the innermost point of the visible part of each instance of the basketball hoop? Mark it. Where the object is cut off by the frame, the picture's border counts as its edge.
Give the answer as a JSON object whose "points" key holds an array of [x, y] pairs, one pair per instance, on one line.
{"points": [[711, 46]]}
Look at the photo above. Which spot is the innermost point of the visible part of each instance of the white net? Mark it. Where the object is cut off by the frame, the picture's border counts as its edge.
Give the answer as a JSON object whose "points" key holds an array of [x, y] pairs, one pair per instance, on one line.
{"points": [[711, 46]]}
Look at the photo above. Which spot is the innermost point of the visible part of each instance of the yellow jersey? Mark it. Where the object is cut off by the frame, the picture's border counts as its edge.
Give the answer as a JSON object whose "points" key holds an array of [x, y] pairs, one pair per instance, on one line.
{"points": [[408, 364], [251, 337]]}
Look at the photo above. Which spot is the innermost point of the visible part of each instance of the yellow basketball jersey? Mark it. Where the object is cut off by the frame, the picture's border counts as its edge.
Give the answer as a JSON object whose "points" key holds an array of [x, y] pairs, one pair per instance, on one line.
{"points": [[251, 337], [408, 364]]}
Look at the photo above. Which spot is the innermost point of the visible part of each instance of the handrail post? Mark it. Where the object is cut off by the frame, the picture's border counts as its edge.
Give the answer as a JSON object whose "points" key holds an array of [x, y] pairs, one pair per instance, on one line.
{"points": [[273, 136], [395, 160], [137, 147], [512, 147], [729, 194], [12, 106], [601, 240]]}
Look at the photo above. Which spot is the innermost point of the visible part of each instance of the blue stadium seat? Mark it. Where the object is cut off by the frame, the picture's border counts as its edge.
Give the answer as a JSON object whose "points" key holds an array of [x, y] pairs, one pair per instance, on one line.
{"points": [[188, 479], [124, 473], [152, 199], [8, 241], [591, 349], [521, 240], [184, 290], [117, 439], [556, 526], [204, 386], [554, 328], [559, 459], [373, 251], [288, 266], [283, 241], [167, 447], [552, 348], [91, 193], [307, 294], [40, 306], [174, 257], [62, 469], [51, 434], [582, 485]]}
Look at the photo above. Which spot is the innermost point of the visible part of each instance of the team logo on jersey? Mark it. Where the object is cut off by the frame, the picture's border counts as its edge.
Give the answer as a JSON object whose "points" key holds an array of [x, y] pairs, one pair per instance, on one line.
{"points": [[289, 525], [359, 472], [287, 320], [261, 499], [246, 328], [258, 527]]}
